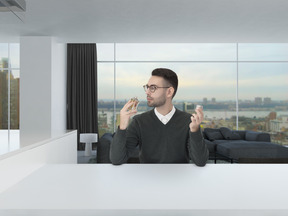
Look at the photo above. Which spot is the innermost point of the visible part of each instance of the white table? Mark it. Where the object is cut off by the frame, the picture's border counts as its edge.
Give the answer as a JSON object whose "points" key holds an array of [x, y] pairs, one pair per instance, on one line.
{"points": [[133, 189]]}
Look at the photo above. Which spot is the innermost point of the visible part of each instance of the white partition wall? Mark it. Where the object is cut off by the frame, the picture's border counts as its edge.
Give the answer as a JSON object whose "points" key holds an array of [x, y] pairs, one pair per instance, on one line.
{"points": [[42, 88], [17, 165]]}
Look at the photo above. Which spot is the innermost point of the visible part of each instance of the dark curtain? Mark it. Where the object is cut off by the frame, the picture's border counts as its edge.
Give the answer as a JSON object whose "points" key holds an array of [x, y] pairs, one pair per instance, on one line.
{"points": [[82, 89]]}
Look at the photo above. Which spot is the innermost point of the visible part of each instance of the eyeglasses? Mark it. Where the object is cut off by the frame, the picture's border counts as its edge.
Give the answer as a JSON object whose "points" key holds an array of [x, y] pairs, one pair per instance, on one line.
{"points": [[152, 88]]}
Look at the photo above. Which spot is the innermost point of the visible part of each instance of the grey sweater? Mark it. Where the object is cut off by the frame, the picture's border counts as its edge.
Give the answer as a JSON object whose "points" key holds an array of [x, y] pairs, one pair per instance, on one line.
{"points": [[159, 143]]}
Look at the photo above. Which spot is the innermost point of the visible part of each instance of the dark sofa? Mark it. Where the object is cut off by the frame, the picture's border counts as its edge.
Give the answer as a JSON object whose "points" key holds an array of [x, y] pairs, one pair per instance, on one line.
{"points": [[243, 146]]}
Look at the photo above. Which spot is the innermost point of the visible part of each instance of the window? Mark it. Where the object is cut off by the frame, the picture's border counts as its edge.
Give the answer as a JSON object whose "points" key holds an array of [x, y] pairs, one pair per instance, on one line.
{"points": [[263, 89], [9, 96], [241, 86]]}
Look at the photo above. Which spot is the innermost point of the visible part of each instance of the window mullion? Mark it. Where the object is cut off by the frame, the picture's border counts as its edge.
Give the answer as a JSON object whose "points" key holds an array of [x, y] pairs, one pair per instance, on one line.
{"points": [[9, 96]]}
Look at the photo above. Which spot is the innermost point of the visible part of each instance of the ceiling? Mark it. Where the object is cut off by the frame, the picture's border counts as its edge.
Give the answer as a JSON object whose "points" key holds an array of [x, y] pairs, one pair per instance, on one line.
{"points": [[150, 21]]}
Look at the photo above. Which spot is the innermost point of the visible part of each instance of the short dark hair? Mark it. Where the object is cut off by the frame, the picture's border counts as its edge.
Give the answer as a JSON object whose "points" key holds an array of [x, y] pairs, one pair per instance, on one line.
{"points": [[168, 75]]}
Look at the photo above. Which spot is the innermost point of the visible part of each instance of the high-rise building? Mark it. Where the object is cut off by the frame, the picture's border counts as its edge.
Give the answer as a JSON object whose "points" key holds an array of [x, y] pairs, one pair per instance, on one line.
{"points": [[4, 93], [272, 115], [213, 100], [14, 103], [3, 99], [205, 101], [267, 101], [258, 100]]}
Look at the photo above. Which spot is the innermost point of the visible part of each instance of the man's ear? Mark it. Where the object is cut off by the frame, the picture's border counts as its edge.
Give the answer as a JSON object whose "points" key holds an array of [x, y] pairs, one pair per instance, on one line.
{"points": [[170, 92]]}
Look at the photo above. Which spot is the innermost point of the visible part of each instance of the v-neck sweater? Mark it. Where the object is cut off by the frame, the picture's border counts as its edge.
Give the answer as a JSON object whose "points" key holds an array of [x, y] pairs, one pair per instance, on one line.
{"points": [[159, 143]]}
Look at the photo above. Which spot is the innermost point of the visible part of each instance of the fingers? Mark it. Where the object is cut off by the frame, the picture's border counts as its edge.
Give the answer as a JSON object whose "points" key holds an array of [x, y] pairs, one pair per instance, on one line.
{"points": [[128, 108], [131, 105], [199, 114], [125, 114], [128, 104], [196, 119]]}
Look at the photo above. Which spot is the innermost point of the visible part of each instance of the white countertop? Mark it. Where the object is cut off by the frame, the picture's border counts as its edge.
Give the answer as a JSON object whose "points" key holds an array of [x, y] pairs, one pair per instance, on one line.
{"points": [[150, 189]]}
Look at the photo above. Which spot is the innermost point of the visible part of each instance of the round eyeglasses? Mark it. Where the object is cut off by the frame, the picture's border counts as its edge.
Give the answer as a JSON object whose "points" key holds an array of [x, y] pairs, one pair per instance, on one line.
{"points": [[152, 88]]}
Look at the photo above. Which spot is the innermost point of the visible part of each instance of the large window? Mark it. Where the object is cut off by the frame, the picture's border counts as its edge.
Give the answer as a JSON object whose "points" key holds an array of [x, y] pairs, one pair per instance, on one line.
{"points": [[241, 86], [263, 89], [9, 97]]}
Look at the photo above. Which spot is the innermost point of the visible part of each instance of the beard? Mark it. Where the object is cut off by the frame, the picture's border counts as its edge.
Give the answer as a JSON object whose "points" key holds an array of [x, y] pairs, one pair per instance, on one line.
{"points": [[156, 102]]}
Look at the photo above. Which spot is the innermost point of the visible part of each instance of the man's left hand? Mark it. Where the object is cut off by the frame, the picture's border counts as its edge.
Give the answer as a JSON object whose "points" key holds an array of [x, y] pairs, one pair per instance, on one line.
{"points": [[196, 120]]}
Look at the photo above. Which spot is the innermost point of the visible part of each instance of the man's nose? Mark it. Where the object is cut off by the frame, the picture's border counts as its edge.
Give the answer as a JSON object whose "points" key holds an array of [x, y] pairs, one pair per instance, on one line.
{"points": [[147, 92]]}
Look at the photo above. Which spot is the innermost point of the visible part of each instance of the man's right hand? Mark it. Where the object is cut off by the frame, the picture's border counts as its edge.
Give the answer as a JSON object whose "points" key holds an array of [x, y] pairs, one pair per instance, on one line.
{"points": [[126, 113]]}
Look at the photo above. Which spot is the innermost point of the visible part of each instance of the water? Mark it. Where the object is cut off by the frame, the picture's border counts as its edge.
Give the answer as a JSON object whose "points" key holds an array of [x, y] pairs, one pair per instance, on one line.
{"points": [[220, 114], [249, 114]]}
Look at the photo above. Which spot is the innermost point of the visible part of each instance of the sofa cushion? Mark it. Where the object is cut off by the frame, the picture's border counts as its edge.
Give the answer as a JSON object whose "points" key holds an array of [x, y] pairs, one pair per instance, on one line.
{"points": [[241, 133], [214, 135], [257, 136], [240, 149], [229, 135], [235, 136]]}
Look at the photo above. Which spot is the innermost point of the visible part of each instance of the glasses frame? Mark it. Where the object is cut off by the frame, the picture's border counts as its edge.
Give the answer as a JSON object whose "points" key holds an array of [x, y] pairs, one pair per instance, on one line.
{"points": [[147, 87]]}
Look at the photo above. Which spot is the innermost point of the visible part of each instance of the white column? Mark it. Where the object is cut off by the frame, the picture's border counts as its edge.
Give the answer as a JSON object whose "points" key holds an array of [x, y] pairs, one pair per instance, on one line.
{"points": [[42, 88], [58, 88]]}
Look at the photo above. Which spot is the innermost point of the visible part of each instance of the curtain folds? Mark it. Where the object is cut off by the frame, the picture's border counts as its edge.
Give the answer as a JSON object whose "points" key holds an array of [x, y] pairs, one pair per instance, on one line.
{"points": [[82, 89]]}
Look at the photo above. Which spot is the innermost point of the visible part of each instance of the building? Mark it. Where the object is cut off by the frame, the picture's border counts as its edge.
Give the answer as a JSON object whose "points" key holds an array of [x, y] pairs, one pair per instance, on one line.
{"points": [[205, 101], [267, 101], [258, 100], [4, 99], [279, 125]]}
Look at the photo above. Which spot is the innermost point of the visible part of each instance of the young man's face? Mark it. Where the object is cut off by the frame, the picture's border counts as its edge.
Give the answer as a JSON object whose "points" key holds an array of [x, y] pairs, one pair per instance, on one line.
{"points": [[157, 98]]}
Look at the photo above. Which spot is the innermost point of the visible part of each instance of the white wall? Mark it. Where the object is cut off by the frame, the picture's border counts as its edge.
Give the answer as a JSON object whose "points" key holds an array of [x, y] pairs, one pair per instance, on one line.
{"points": [[42, 89], [15, 166], [35, 89]]}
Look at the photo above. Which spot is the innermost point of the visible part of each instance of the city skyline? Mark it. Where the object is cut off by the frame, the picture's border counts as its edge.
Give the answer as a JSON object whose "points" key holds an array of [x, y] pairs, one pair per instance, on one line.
{"points": [[198, 80]]}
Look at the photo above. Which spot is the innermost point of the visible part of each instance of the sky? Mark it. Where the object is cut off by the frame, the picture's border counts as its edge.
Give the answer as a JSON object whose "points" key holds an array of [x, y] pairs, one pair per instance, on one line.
{"points": [[204, 70]]}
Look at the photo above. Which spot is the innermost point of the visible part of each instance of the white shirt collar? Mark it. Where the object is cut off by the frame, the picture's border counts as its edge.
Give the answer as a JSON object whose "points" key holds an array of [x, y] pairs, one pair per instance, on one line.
{"points": [[165, 119]]}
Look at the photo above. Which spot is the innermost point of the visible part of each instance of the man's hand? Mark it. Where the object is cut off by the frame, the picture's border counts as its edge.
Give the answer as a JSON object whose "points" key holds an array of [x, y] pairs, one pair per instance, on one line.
{"points": [[125, 114], [196, 119]]}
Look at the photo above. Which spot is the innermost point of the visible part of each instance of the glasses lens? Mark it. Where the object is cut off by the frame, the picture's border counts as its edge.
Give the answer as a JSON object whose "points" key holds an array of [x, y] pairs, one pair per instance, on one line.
{"points": [[152, 88]]}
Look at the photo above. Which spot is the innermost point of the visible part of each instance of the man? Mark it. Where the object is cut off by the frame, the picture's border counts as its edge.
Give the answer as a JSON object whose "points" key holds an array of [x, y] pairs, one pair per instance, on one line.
{"points": [[164, 134]]}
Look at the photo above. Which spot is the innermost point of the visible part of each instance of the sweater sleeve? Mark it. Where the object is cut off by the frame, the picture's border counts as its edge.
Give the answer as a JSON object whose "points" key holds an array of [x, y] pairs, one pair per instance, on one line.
{"points": [[198, 150], [123, 144]]}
